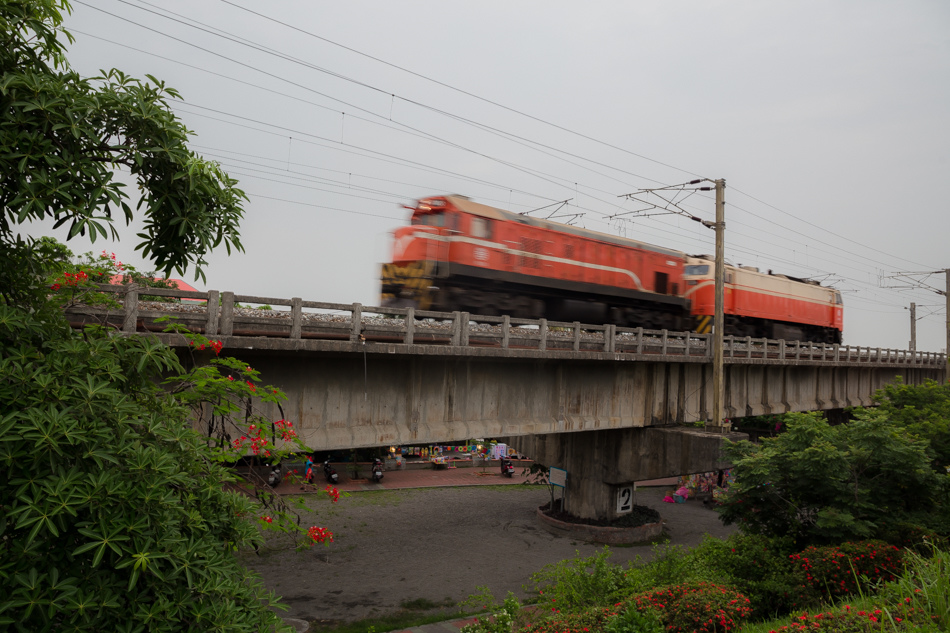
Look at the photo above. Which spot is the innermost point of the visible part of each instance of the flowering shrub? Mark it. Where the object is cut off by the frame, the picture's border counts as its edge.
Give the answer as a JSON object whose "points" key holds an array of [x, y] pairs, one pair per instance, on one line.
{"points": [[913, 537], [758, 566], [842, 570], [701, 607], [498, 622], [846, 619], [320, 535], [70, 280], [216, 346], [583, 622]]}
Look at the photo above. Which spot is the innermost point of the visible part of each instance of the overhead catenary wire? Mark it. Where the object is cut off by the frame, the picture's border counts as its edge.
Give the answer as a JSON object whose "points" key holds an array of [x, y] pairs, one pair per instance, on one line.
{"points": [[264, 49], [771, 255]]}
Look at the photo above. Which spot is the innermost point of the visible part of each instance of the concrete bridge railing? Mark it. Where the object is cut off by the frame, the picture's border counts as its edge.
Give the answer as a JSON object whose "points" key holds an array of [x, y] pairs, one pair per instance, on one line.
{"points": [[403, 330]]}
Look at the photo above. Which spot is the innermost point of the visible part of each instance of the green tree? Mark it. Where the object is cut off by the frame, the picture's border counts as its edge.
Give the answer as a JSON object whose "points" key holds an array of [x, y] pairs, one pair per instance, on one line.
{"points": [[825, 484], [114, 514], [63, 136], [924, 410]]}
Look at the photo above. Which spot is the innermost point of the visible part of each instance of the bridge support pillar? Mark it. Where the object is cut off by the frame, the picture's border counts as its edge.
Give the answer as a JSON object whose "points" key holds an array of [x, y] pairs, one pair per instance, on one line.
{"points": [[601, 464]]}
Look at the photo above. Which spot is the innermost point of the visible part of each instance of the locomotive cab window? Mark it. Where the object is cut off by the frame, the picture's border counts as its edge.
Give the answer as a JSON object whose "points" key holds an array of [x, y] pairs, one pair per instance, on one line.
{"points": [[430, 219], [696, 269], [481, 228], [838, 299]]}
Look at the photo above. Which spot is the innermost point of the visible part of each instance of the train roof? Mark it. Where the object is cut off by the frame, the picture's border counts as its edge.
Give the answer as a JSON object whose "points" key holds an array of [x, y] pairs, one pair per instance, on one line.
{"points": [[464, 204]]}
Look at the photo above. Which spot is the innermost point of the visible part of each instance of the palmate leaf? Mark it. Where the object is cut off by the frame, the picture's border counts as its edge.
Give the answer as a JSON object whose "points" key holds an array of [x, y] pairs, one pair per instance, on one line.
{"points": [[77, 410]]}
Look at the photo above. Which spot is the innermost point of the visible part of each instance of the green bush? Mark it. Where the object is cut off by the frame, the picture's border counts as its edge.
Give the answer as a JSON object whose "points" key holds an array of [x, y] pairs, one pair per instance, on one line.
{"points": [[587, 621], [924, 586], [757, 566], [696, 607], [577, 583], [924, 410], [670, 565], [853, 620], [823, 484], [848, 568], [113, 512], [630, 620], [498, 622], [914, 537]]}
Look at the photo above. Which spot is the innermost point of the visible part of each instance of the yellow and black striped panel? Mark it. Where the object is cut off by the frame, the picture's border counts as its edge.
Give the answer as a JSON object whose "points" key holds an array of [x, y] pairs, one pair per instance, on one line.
{"points": [[704, 324]]}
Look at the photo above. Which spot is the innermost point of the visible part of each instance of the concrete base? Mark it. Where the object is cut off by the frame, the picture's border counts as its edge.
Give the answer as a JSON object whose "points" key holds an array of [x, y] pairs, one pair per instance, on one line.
{"points": [[602, 465], [600, 534]]}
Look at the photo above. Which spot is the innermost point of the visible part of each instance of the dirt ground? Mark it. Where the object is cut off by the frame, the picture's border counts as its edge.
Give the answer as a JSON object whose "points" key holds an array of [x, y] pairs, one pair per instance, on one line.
{"points": [[439, 544]]}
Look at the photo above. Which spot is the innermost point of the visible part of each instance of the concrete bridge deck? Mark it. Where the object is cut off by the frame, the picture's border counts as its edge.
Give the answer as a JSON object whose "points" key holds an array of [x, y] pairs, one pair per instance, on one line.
{"points": [[611, 405]]}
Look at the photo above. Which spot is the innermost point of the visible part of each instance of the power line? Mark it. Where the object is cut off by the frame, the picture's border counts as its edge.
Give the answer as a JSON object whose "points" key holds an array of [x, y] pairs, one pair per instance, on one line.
{"points": [[459, 90], [432, 137], [535, 173]]}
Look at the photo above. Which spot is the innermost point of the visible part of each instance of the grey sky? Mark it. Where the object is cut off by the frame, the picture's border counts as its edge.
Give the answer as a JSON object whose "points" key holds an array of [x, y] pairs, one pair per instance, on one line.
{"points": [[828, 120]]}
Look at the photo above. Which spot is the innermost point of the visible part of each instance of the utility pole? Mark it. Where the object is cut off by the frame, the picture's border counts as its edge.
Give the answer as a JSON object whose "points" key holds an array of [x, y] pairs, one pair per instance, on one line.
{"points": [[919, 280], [719, 316], [913, 326], [671, 204], [946, 295]]}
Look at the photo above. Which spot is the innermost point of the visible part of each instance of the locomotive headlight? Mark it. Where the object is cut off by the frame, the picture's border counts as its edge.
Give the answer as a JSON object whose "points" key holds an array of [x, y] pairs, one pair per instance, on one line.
{"points": [[691, 282]]}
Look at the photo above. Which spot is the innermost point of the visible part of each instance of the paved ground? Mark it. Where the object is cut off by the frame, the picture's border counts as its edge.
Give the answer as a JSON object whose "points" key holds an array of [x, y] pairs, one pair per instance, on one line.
{"points": [[429, 478], [435, 526]]}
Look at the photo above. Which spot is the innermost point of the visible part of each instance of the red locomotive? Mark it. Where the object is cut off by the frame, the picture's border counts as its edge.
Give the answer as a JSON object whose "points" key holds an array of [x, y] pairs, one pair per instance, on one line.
{"points": [[460, 255]]}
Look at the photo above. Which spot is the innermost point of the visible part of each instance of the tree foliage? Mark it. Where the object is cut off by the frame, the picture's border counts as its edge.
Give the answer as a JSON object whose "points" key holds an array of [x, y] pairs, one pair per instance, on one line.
{"points": [[62, 138], [924, 410], [114, 514], [826, 484]]}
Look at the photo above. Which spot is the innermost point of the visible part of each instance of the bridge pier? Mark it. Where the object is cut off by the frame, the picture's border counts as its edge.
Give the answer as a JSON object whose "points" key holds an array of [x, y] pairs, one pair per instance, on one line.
{"points": [[601, 464]]}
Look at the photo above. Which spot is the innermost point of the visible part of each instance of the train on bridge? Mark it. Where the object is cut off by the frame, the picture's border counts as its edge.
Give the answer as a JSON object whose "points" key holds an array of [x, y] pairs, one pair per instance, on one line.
{"points": [[457, 254]]}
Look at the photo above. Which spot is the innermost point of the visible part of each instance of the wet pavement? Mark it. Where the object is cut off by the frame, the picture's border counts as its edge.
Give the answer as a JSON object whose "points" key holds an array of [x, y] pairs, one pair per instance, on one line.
{"points": [[425, 477]]}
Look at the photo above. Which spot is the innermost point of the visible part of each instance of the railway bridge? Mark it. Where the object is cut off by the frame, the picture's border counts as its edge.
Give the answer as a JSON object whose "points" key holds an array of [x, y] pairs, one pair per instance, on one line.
{"points": [[609, 405]]}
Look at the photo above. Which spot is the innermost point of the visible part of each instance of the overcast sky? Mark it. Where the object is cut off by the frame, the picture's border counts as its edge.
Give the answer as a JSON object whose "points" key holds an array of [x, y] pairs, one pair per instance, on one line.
{"points": [[828, 120]]}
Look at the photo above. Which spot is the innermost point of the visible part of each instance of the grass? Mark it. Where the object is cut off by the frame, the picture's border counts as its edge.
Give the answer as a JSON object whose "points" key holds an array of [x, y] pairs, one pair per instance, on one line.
{"points": [[424, 604], [407, 618], [925, 585]]}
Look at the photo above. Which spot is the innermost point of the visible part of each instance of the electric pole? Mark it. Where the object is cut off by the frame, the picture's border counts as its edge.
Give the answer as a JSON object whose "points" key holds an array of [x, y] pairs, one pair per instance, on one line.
{"points": [[670, 195], [719, 316], [913, 326], [919, 281]]}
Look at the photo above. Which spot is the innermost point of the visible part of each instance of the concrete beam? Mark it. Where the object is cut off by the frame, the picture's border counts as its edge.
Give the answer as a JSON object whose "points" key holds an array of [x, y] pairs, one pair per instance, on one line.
{"points": [[350, 400]]}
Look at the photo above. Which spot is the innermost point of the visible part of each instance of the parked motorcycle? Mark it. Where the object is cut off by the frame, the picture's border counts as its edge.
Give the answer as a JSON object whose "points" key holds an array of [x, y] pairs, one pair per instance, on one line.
{"points": [[275, 477], [378, 470], [507, 468], [330, 473]]}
